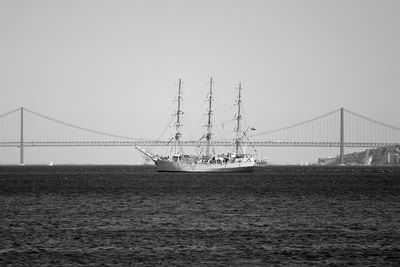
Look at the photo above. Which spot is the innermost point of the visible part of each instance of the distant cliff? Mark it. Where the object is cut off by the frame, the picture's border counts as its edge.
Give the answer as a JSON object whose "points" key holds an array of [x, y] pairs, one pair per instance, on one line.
{"points": [[386, 156], [378, 156]]}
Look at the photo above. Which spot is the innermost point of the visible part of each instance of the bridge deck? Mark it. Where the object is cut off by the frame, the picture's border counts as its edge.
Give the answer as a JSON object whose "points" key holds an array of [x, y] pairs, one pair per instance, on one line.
{"points": [[190, 143]]}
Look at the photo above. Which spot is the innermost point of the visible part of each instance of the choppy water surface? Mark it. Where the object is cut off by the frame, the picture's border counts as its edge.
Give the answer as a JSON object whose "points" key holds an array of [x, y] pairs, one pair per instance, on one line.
{"points": [[124, 215]]}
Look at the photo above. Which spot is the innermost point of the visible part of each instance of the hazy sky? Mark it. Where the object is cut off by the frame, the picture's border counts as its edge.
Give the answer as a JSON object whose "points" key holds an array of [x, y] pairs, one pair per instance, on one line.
{"points": [[113, 65]]}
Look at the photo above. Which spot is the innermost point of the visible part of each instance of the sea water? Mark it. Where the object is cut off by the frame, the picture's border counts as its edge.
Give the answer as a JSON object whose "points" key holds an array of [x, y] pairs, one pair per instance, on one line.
{"points": [[127, 215]]}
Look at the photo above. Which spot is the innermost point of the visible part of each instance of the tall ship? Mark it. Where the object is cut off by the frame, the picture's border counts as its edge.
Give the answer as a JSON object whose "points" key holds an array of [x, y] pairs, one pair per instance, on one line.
{"points": [[209, 161]]}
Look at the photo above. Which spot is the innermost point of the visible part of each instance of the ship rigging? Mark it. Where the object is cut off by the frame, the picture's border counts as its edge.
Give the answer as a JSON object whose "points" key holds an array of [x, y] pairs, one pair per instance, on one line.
{"points": [[177, 161]]}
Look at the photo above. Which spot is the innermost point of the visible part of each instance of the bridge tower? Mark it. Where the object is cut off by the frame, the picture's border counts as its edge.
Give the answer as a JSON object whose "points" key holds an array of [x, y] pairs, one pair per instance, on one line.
{"points": [[341, 136], [21, 145]]}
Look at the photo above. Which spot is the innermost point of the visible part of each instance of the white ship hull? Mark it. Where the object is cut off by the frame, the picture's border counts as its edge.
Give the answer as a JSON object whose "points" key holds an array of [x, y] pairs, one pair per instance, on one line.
{"points": [[168, 166]]}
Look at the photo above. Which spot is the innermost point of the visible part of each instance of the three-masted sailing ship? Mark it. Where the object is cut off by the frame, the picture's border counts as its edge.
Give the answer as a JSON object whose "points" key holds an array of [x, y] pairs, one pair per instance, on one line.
{"points": [[210, 161]]}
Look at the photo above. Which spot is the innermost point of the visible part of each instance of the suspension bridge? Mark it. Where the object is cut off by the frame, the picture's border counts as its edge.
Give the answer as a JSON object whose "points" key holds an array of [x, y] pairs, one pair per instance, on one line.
{"points": [[22, 128]]}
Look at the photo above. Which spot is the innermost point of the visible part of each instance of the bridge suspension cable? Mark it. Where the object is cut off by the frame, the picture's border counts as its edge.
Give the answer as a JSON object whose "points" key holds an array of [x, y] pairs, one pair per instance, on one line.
{"points": [[372, 120], [296, 124], [82, 128], [9, 113], [323, 128], [9, 127]]}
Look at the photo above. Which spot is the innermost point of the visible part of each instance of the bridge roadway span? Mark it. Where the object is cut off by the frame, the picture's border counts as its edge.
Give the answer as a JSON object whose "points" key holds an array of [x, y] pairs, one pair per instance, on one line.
{"points": [[220, 143]]}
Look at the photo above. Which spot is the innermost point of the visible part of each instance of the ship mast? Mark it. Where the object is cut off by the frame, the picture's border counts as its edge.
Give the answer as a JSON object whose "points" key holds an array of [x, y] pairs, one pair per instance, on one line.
{"points": [[178, 123], [238, 128], [209, 125]]}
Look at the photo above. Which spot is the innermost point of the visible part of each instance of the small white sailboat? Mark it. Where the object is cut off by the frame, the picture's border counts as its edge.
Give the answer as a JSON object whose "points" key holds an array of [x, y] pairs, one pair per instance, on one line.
{"points": [[209, 161]]}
